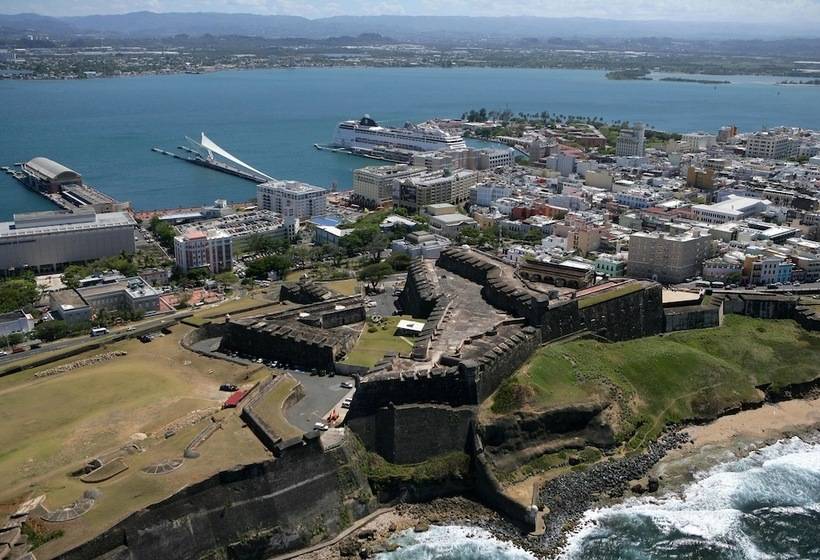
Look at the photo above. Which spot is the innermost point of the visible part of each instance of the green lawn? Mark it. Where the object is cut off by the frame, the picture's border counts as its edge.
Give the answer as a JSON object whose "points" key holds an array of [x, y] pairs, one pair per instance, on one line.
{"points": [[372, 346], [607, 295], [667, 378]]}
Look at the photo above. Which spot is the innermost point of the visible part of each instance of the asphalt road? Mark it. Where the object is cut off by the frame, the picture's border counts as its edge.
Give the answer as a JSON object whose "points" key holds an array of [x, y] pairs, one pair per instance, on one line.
{"points": [[147, 325], [322, 394]]}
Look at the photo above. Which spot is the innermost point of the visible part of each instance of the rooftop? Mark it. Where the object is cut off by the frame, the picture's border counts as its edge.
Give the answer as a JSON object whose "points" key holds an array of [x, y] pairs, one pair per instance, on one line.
{"points": [[56, 222], [51, 170], [296, 187]]}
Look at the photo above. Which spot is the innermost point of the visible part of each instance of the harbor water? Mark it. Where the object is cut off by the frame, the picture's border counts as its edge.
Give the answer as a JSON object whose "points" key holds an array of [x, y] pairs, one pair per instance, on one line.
{"points": [[105, 128]]}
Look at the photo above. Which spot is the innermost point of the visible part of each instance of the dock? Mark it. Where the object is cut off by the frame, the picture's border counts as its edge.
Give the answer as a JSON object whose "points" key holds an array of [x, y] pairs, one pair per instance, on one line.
{"points": [[380, 154], [62, 187], [233, 166]]}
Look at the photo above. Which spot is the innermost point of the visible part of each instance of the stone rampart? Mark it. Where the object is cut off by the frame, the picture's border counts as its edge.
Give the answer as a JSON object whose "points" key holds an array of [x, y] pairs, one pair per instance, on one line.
{"points": [[421, 290], [507, 294], [421, 345], [304, 291], [492, 357], [408, 434], [633, 315], [288, 341], [253, 511]]}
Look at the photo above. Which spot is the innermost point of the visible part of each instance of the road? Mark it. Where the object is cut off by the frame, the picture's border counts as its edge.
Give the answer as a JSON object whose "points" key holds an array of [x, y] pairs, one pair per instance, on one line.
{"points": [[146, 325], [322, 394]]}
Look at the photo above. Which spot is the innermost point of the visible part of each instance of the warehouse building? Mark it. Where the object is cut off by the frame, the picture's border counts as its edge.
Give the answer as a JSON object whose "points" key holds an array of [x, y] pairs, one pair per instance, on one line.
{"points": [[48, 241]]}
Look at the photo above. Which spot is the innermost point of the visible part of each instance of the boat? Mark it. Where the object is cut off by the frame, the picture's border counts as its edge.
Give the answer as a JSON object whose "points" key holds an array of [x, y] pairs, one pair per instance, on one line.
{"points": [[367, 133]]}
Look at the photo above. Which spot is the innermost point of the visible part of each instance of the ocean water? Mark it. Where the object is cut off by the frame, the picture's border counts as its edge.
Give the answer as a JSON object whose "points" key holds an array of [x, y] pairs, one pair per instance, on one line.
{"points": [[763, 506], [453, 543], [105, 128]]}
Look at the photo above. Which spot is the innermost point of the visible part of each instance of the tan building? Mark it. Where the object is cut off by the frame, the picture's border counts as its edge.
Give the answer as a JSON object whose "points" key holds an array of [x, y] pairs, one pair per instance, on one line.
{"points": [[667, 258], [417, 192], [374, 185]]}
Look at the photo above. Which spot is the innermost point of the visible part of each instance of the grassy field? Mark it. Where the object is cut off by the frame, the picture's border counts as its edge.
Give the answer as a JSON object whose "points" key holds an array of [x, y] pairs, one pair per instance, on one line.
{"points": [[653, 381], [372, 346], [347, 287], [51, 426], [270, 410]]}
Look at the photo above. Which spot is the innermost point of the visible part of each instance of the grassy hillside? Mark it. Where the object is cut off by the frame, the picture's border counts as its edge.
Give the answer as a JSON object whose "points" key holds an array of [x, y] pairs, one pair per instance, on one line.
{"points": [[667, 378]]}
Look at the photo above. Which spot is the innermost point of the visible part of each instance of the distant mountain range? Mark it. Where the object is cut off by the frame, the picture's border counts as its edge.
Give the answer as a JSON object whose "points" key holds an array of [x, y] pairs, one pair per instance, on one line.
{"points": [[404, 28]]}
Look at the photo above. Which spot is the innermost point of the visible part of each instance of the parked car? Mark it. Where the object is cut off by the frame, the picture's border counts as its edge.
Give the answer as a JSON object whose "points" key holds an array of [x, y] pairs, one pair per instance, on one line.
{"points": [[228, 387], [320, 426], [346, 385]]}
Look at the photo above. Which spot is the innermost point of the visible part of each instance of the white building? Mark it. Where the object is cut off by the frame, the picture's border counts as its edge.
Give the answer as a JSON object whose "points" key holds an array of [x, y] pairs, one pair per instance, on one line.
{"points": [[732, 209], [199, 249], [16, 321], [292, 199], [51, 240], [698, 141], [769, 145], [487, 193], [631, 141]]}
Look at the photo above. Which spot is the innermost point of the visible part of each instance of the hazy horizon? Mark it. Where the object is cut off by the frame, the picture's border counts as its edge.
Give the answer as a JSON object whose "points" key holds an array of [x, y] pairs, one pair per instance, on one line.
{"points": [[740, 11]]}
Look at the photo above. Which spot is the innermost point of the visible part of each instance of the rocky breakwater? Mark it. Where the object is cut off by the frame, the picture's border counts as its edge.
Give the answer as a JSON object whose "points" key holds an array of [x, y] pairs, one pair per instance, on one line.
{"points": [[567, 497]]}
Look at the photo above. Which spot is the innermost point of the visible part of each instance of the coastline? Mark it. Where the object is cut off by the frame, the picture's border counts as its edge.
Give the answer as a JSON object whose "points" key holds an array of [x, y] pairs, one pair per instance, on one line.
{"points": [[687, 452], [735, 436]]}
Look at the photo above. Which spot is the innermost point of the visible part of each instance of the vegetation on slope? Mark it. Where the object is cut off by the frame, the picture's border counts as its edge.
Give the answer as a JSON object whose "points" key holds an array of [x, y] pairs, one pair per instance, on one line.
{"points": [[669, 378]]}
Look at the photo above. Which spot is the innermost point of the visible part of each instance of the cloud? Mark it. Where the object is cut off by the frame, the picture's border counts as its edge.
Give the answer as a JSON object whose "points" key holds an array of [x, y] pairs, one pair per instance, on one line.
{"points": [[740, 11]]}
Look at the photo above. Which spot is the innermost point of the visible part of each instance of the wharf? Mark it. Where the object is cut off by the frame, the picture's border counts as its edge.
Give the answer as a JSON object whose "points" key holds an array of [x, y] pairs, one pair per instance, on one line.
{"points": [[381, 154], [197, 159], [70, 197]]}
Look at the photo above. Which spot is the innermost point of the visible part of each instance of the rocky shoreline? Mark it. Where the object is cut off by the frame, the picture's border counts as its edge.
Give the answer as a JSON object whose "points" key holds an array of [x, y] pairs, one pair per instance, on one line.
{"points": [[566, 498]]}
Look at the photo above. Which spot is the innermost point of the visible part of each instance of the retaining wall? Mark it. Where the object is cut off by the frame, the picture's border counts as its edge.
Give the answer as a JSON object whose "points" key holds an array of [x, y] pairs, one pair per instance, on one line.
{"points": [[253, 511]]}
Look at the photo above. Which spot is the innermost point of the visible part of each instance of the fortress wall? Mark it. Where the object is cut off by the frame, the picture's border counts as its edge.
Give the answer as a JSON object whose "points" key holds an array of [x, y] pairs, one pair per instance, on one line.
{"points": [[509, 351], [292, 342], [413, 433], [420, 293], [256, 510], [630, 316]]}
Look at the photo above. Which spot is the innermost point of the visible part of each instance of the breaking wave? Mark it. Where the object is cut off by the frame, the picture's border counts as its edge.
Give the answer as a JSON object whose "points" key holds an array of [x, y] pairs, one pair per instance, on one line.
{"points": [[454, 543], [764, 506]]}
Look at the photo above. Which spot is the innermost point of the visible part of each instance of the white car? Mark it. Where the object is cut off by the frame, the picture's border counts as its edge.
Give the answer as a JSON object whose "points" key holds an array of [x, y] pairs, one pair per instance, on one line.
{"points": [[322, 427], [346, 385]]}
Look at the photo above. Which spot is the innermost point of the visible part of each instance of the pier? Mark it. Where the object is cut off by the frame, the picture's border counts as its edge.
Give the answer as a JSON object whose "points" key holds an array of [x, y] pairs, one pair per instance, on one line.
{"points": [[62, 186], [233, 166]]}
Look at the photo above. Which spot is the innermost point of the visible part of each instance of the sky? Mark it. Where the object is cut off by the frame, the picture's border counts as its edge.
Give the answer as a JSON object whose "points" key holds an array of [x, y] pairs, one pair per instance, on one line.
{"points": [[752, 11]]}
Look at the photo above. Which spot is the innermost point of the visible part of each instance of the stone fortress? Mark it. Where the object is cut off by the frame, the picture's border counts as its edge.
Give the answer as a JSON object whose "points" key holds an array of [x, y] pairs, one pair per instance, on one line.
{"points": [[482, 322]]}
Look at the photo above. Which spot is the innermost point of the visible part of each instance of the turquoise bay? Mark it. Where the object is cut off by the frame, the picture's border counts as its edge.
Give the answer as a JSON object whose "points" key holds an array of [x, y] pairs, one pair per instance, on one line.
{"points": [[271, 118]]}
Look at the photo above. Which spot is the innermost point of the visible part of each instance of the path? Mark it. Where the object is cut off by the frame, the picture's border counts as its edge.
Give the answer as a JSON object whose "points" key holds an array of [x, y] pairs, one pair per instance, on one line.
{"points": [[355, 527]]}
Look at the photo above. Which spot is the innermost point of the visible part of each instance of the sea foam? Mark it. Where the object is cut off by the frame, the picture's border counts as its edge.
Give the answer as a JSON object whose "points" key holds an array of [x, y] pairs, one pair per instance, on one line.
{"points": [[750, 508]]}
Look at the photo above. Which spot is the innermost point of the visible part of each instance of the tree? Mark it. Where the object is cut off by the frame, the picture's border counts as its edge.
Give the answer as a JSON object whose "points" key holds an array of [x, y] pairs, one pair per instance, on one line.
{"points": [[51, 330], [16, 338], [260, 244], [163, 230], [399, 261], [17, 293], [375, 273], [377, 244], [261, 267]]}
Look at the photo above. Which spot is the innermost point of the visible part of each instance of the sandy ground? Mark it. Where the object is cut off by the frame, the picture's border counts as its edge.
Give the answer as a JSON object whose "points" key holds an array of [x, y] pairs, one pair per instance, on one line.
{"points": [[737, 435]]}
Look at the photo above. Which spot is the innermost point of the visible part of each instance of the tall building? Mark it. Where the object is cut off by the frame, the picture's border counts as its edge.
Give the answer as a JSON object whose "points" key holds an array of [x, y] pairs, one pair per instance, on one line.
{"points": [[212, 249], [631, 141], [292, 199], [374, 185], [51, 240], [667, 258], [769, 145], [415, 193]]}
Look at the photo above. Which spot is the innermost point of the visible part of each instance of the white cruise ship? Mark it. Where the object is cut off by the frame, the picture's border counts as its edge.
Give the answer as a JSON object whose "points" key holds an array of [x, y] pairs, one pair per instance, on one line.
{"points": [[366, 133]]}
